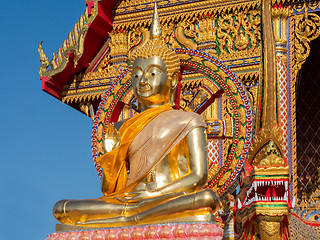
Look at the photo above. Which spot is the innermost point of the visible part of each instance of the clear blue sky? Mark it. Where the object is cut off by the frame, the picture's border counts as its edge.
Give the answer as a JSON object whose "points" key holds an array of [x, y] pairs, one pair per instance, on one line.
{"points": [[45, 145]]}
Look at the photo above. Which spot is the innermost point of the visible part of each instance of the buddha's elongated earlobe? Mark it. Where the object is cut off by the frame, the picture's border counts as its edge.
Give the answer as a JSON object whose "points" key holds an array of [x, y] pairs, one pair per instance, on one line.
{"points": [[174, 80], [173, 88]]}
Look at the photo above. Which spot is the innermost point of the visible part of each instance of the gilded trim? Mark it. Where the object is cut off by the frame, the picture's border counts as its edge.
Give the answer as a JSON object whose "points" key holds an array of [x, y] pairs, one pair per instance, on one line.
{"points": [[303, 29], [186, 11], [73, 44]]}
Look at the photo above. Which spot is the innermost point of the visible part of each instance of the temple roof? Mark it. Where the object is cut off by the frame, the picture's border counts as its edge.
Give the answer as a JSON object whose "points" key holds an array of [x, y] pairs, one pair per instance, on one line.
{"points": [[67, 76], [79, 49]]}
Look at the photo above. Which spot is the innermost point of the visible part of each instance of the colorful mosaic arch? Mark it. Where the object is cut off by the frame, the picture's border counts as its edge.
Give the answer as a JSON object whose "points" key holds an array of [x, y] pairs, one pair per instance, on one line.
{"points": [[218, 75]]}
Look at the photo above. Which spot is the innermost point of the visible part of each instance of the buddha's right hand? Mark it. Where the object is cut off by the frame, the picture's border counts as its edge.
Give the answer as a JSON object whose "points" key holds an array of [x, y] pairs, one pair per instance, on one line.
{"points": [[111, 138]]}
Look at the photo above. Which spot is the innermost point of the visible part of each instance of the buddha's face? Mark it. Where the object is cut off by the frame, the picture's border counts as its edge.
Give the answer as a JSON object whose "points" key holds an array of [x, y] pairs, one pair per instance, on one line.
{"points": [[150, 81]]}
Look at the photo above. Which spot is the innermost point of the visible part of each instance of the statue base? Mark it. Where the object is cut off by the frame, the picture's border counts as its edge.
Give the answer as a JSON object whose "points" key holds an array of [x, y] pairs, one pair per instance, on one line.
{"points": [[160, 231]]}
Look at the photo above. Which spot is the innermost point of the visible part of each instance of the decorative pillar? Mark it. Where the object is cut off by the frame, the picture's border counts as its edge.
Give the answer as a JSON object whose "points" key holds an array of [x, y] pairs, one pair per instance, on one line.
{"points": [[280, 16], [270, 227], [265, 212]]}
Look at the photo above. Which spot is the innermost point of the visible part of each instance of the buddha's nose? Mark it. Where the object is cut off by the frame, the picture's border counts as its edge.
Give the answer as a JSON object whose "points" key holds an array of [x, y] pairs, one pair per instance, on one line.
{"points": [[144, 79]]}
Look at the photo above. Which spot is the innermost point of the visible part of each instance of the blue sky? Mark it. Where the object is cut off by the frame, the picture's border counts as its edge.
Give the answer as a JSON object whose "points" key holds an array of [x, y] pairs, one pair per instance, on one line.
{"points": [[45, 145]]}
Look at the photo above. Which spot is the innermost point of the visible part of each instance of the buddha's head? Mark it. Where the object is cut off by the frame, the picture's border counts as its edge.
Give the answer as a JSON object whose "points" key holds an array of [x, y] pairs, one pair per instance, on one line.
{"points": [[155, 69]]}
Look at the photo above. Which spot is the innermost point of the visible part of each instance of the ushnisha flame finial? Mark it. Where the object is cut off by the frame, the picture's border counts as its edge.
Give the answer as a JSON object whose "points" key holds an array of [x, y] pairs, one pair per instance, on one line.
{"points": [[156, 46], [155, 30]]}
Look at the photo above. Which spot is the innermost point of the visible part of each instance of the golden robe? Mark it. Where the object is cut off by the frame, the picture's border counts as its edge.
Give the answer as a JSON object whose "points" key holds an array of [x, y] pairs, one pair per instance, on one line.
{"points": [[146, 139], [157, 139]]}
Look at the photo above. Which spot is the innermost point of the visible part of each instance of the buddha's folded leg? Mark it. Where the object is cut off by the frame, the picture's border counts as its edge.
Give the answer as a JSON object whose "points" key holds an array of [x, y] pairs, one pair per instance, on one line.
{"points": [[193, 201], [72, 211], [205, 199], [94, 210]]}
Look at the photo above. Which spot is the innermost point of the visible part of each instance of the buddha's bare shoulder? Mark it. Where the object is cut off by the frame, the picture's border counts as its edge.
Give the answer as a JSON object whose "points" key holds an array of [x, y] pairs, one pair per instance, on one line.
{"points": [[175, 116], [178, 115]]}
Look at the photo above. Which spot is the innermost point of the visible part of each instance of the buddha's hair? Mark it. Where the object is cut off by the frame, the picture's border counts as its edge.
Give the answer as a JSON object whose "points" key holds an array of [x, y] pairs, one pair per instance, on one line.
{"points": [[157, 47]]}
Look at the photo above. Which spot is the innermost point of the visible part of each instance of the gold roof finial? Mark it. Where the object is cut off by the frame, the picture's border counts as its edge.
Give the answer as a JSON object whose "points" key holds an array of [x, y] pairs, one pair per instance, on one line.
{"points": [[155, 29]]}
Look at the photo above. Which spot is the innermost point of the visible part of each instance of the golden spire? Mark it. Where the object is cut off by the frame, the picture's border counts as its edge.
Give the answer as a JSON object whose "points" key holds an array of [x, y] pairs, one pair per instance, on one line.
{"points": [[155, 29]]}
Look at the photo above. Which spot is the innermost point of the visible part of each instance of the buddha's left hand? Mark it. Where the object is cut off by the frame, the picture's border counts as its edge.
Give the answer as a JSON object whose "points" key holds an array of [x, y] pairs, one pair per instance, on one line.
{"points": [[140, 194], [145, 194]]}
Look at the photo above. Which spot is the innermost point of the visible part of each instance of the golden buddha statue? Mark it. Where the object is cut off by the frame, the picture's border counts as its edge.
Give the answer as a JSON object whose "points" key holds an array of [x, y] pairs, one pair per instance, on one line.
{"points": [[155, 165]]}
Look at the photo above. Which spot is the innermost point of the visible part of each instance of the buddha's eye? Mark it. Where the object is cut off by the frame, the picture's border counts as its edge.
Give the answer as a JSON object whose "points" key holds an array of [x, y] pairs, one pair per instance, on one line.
{"points": [[136, 74], [155, 71]]}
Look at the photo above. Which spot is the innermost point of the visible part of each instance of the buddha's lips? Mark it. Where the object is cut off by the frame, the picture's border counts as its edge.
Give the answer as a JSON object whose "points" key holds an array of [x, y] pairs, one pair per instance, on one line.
{"points": [[144, 89], [267, 191]]}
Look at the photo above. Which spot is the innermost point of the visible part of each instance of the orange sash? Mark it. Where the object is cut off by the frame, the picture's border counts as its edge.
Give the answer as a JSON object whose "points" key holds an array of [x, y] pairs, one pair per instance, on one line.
{"points": [[113, 163]]}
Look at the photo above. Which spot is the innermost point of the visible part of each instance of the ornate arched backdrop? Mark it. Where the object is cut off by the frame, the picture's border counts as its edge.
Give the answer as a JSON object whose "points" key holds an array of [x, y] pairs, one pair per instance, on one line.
{"points": [[222, 78]]}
